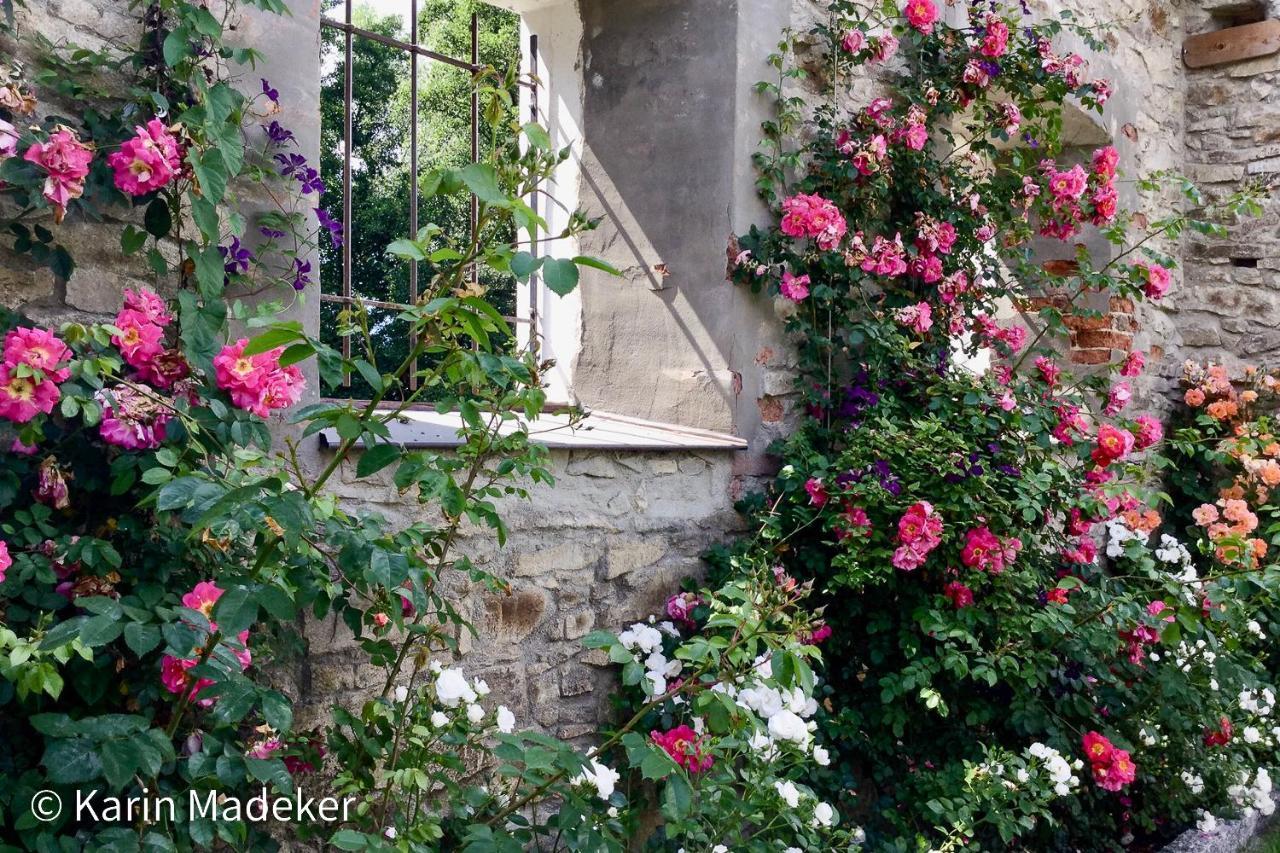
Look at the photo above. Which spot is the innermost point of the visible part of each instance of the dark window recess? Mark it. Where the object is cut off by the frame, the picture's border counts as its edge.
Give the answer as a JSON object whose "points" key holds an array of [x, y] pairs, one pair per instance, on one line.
{"points": [[1247, 263]]}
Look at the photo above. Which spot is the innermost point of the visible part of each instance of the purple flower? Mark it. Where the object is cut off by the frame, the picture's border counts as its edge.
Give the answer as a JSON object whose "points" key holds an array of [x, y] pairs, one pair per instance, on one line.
{"points": [[311, 183], [236, 257], [270, 233], [334, 226], [301, 274], [290, 164], [270, 92], [279, 134]]}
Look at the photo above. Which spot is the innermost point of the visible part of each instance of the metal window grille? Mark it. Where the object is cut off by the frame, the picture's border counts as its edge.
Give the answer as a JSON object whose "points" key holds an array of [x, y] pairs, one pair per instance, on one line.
{"points": [[415, 51]]}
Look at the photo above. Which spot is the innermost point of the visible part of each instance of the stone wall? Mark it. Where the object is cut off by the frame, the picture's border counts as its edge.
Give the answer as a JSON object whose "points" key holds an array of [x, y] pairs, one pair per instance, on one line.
{"points": [[602, 548], [1229, 306], [659, 95]]}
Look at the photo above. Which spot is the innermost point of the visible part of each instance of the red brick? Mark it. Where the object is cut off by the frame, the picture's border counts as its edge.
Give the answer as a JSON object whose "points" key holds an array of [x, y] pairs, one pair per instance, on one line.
{"points": [[771, 409], [1122, 304], [1090, 356], [1095, 339], [1079, 323]]}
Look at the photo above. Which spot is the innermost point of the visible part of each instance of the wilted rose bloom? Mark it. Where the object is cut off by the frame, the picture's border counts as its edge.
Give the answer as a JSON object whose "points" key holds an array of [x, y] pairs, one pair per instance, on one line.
{"points": [[51, 486], [65, 161], [853, 41], [1150, 431], [8, 140], [680, 608], [794, 287], [961, 596]]}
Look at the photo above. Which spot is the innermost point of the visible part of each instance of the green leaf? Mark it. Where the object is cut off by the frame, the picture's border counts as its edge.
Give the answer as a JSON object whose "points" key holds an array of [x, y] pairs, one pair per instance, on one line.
{"points": [[100, 630], [177, 46], [132, 240], [120, 758], [349, 839], [235, 611], [158, 220], [141, 638], [560, 275], [278, 711], [482, 179], [538, 136], [206, 218], [376, 458], [72, 762], [524, 265], [271, 339], [596, 263]]}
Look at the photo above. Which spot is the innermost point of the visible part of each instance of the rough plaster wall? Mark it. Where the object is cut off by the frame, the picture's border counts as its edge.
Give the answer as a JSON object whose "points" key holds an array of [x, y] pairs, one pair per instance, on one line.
{"points": [[602, 548]]}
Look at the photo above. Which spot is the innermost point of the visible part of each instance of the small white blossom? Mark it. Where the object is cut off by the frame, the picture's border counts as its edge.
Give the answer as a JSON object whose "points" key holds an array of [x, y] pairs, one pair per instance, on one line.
{"points": [[789, 793], [506, 720], [599, 776], [821, 756], [824, 814], [439, 720], [402, 693]]}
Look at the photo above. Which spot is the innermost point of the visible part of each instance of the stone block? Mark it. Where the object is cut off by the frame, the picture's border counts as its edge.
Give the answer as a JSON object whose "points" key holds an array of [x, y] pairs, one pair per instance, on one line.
{"points": [[512, 618], [568, 558], [625, 558]]}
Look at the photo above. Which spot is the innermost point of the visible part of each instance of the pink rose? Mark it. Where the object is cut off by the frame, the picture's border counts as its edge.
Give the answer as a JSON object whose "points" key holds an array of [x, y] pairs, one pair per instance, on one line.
{"points": [[921, 14], [794, 287], [65, 161]]}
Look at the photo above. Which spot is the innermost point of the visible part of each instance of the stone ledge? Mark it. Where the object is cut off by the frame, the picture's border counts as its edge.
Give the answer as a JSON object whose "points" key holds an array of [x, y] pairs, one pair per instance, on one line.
{"points": [[597, 431]]}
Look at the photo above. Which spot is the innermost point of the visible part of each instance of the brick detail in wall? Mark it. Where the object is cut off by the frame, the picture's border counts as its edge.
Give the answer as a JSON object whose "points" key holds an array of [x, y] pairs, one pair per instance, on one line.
{"points": [[1097, 337]]}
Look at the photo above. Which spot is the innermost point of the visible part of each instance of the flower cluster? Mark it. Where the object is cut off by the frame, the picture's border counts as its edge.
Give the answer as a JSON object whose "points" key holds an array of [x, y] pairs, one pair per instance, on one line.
{"points": [[175, 673], [1112, 768], [257, 383], [65, 160], [919, 532], [33, 366], [147, 162]]}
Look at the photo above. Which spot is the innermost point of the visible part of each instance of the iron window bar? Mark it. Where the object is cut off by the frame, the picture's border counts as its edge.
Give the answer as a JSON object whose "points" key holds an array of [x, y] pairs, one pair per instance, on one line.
{"points": [[415, 51]]}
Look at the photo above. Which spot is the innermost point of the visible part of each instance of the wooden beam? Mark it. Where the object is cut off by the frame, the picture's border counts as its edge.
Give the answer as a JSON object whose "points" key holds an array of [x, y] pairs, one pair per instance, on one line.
{"points": [[1232, 44]]}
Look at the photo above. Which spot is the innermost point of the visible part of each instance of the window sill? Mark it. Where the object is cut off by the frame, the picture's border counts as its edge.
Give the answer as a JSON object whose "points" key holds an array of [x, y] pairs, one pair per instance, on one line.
{"points": [[598, 431]]}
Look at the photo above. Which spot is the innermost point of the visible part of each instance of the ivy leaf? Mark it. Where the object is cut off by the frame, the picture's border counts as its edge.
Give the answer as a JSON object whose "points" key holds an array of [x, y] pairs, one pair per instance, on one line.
{"points": [[560, 275]]}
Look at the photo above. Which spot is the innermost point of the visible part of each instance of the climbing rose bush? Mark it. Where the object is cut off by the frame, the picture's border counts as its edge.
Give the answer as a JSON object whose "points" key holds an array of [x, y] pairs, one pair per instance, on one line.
{"points": [[980, 524]]}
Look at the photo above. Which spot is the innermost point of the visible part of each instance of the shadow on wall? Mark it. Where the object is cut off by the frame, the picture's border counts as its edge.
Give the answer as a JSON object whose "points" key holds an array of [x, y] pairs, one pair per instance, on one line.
{"points": [[660, 81]]}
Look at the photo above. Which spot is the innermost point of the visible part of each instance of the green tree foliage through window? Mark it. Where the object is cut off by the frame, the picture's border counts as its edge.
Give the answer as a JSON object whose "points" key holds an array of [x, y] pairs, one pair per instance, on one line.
{"points": [[381, 151]]}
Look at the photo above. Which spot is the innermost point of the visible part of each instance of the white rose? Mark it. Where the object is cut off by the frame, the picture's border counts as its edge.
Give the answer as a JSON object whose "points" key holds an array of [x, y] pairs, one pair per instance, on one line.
{"points": [[402, 693], [821, 756], [789, 793], [785, 725], [390, 832], [599, 776], [824, 814], [481, 688], [439, 720], [475, 713], [506, 720], [452, 688]]}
